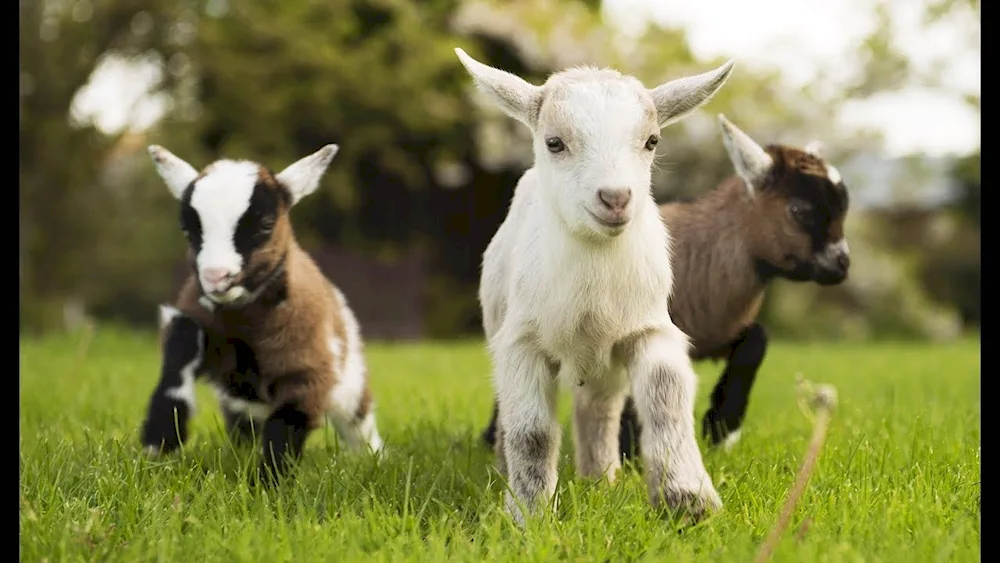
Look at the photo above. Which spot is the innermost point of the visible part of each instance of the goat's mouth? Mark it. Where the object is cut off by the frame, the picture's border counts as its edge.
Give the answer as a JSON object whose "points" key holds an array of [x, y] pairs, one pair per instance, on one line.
{"points": [[228, 296], [616, 222]]}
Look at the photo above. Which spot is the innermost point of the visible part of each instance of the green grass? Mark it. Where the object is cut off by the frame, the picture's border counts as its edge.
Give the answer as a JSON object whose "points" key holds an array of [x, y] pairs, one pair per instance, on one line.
{"points": [[897, 480]]}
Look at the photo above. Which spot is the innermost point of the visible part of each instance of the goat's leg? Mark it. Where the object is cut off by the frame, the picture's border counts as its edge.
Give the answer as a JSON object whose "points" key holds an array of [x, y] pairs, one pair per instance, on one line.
{"points": [[526, 389], [664, 386], [354, 418], [628, 430], [489, 435], [721, 423], [298, 411], [172, 403], [596, 408]]}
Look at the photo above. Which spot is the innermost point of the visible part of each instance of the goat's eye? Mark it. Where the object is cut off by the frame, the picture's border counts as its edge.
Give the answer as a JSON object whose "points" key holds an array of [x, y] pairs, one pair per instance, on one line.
{"points": [[555, 145], [799, 210], [651, 142]]}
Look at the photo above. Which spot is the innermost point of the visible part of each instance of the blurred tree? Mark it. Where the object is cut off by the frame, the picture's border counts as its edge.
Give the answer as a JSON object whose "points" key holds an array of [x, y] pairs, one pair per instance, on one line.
{"points": [[63, 212], [423, 168]]}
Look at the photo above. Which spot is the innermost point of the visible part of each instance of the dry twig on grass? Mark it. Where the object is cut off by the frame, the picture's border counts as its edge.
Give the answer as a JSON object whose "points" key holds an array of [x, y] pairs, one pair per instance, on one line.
{"points": [[822, 399]]}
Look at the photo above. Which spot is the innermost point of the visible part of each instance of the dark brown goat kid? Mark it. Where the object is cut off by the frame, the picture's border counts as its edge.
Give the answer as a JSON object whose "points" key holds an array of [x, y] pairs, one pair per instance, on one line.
{"points": [[781, 216], [256, 317]]}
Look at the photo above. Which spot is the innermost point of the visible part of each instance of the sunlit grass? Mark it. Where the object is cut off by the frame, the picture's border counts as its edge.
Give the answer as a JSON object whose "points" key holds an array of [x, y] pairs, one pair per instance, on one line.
{"points": [[898, 478]]}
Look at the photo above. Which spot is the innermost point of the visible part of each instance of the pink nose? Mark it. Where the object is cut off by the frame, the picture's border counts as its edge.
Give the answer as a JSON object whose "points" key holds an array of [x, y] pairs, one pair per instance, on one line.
{"points": [[216, 276]]}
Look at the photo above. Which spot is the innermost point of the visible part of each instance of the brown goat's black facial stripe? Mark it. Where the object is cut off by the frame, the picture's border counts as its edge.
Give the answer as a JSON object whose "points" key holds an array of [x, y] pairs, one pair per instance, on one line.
{"points": [[257, 223], [190, 221]]}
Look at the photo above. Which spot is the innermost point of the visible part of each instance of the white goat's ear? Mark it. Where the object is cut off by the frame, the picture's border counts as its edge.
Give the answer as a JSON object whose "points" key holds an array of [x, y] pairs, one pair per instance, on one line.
{"points": [[176, 173], [677, 98], [516, 97], [815, 148], [302, 178], [752, 163]]}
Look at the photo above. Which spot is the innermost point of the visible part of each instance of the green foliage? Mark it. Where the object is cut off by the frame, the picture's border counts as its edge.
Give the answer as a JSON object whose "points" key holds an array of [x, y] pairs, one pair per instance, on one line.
{"points": [[274, 81], [898, 478]]}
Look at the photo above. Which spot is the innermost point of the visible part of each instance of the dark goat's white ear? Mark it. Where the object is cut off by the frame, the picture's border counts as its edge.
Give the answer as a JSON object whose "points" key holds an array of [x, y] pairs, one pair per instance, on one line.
{"points": [[676, 99], [511, 93], [175, 172], [752, 163], [302, 177]]}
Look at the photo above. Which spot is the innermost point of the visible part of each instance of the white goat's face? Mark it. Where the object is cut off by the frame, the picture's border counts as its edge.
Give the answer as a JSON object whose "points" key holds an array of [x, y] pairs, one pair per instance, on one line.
{"points": [[234, 214], [595, 133], [594, 145]]}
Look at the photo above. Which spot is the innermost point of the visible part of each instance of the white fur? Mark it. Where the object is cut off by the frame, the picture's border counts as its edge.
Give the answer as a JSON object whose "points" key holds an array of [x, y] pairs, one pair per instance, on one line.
{"points": [[302, 177], [220, 198], [252, 409], [167, 314], [833, 174], [185, 391], [176, 173], [558, 286], [345, 397], [732, 439]]}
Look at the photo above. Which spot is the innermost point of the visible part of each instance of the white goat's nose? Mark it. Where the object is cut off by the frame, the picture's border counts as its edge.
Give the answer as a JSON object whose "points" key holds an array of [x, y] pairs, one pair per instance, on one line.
{"points": [[216, 276], [615, 199]]}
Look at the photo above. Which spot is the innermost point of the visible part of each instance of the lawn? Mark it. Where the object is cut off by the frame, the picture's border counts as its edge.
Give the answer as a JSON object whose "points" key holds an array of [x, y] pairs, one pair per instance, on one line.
{"points": [[897, 479]]}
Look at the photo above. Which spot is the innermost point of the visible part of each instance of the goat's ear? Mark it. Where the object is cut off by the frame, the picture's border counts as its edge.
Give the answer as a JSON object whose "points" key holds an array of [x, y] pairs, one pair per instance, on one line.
{"points": [[516, 97], [677, 98], [176, 173], [815, 148], [302, 177], [752, 162]]}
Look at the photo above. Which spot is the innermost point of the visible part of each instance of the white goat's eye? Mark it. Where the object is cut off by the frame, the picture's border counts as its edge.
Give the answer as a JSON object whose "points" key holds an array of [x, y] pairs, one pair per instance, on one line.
{"points": [[555, 144], [651, 142]]}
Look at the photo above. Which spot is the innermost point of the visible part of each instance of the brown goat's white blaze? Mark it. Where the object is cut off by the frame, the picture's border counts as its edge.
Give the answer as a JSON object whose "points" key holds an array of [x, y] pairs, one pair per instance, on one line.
{"points": [[256, 317], [781, 216]]}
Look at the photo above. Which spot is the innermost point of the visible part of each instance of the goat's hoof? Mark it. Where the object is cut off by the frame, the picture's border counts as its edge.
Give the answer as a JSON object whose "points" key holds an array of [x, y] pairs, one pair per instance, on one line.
{"points": [[693, 505], [714, 428], [156, 440]]}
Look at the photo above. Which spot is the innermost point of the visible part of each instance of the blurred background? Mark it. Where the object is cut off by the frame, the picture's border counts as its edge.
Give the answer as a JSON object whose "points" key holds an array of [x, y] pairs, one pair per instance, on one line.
{"points": [[425, 170]]}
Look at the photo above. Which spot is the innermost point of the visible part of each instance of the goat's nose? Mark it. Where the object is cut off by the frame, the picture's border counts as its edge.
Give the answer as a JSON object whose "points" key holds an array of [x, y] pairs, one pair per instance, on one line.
{"points": [[843, 261], [216, 276], [615, 199]]}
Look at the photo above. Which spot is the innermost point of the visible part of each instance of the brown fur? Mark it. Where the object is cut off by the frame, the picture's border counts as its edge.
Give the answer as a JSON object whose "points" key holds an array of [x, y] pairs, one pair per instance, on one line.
{"points": [[289, 339], [715, 240]]}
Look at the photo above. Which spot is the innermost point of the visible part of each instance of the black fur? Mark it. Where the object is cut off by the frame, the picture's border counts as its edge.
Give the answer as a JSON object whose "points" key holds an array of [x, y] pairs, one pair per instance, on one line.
{"points": [[166, 423], [284, 436]]}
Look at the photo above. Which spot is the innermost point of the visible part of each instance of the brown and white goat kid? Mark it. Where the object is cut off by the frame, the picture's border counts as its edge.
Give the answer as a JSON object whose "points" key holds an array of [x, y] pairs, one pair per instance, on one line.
{"points": [[256, 317], [781, 216], [576, 281]]}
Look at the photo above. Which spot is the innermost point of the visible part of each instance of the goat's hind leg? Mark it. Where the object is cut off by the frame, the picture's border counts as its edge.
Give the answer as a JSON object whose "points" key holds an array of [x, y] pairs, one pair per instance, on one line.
{"points": [[596, 408], [172, 403], [664, 386]]}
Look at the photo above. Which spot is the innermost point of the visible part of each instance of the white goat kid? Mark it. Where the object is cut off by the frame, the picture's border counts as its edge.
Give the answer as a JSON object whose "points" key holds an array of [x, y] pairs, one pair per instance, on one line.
{"points": [[576, 281]]}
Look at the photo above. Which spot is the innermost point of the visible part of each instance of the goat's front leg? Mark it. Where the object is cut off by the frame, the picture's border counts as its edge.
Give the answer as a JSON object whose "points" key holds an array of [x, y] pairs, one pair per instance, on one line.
{"points": [[172, 403], [664, 387], [299, 410], [596, 408], [529, 431]]}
